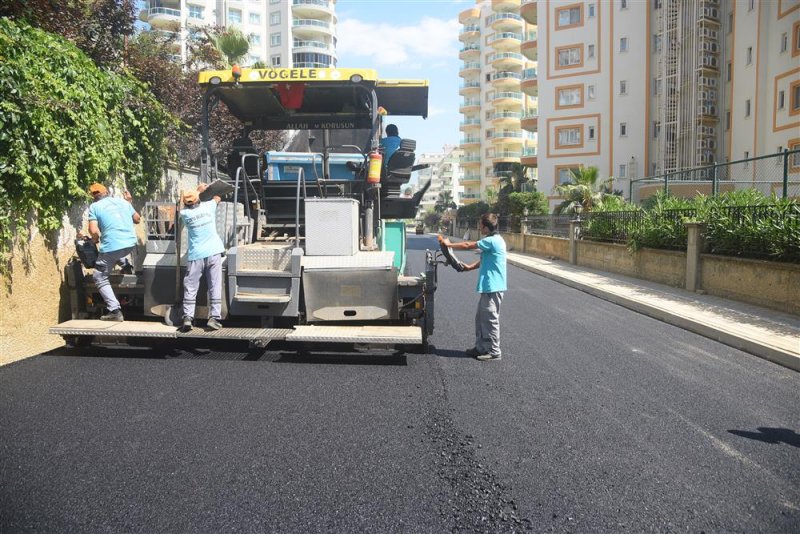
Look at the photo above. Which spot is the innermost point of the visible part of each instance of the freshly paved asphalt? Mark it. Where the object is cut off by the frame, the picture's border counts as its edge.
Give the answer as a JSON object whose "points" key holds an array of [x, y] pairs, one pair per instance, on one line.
{"points": [[596, 419]]}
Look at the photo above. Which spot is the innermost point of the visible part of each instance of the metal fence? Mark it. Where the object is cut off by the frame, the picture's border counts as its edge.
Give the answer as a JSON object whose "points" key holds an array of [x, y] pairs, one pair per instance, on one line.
{"points": [[620, 226], [777, 174]]}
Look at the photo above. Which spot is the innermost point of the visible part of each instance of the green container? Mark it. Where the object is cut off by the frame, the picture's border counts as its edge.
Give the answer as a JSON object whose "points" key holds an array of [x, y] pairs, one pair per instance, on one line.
{"points": [[393, 237]]}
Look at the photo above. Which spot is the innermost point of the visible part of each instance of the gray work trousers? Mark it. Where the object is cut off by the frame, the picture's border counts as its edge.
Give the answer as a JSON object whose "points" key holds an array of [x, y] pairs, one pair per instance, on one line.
{"points": [[212, 268], [102, 268], [487, 324]]}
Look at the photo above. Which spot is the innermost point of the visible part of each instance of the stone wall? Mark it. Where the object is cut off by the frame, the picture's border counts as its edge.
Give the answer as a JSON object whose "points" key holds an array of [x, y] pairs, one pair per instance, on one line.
{"points": [[35, 296], [663, 266]]}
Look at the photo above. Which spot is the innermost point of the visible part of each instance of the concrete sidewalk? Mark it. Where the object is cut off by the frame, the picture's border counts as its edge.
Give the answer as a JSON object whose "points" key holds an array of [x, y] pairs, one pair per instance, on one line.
{"points": [[767, 334]]}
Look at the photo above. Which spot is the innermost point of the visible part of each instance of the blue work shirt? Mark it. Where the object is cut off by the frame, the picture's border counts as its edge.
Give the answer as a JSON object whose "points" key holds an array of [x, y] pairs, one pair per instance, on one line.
{"points": [[390, 145], [114, 217], [492, 274], [201, 224]]}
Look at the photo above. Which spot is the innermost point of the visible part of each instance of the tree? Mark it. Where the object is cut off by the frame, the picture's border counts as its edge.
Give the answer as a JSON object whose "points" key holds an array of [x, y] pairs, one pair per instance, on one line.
{"points": [[231, 44], [583, 190], [444, 201], [491, 195]]}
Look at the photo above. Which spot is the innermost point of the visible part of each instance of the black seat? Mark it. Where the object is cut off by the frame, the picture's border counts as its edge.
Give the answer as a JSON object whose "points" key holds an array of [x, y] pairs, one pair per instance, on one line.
{"points": [[398, 168]]}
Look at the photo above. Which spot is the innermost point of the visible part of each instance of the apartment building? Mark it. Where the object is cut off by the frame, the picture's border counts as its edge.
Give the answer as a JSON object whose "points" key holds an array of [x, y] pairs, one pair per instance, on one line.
{"points": [[499, 93], [282, 33], [444, 171], [640, 88]]}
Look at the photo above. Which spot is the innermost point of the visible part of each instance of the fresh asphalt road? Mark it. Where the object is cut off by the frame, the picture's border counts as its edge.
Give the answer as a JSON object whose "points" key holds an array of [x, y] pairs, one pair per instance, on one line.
{"points": [[596, 419]]}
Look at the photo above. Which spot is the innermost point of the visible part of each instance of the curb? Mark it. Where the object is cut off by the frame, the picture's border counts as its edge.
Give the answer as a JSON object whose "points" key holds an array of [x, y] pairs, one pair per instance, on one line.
{"points": [[773, 354]]}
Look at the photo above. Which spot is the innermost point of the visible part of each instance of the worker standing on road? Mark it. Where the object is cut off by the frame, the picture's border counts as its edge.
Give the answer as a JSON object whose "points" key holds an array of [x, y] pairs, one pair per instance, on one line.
{"points": [[491, 287], [204, 257], [111, 223]]}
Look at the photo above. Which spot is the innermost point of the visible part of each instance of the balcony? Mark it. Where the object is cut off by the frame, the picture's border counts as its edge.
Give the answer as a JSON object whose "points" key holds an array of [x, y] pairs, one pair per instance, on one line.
{"points": [[299, 46], [470, 124], [470, 105], [505, 22], [470, 161], [529, 11], [311, 27], [472, 14], [505, 117], [530, 121], [161, 18], [505, 5], [313, 8], [530, 82], [505, 40], [508, 98], [530, 46], [507, 137], [469, 88], [529, 157], [469, 51], [469, 33], [506, 60], [470, 179], [506, 80], [507, 156], [470, 68], [470, 141]]}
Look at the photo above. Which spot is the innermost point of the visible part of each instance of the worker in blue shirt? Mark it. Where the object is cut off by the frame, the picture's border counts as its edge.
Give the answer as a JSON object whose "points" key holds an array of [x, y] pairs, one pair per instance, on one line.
{"points": [[391, 143], [492, 285], [111, 223], [204, 257]]}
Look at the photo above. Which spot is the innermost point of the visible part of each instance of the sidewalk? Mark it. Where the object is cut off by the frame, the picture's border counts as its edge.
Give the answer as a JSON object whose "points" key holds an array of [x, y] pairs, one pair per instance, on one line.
{"points": [[767, 334]]}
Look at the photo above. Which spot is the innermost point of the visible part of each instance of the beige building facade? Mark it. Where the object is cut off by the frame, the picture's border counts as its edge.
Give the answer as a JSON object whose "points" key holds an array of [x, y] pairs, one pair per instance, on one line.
{"points": [[644, 87]]}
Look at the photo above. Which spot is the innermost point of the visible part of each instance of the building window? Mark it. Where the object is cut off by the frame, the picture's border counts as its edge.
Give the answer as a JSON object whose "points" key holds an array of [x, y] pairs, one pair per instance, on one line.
{"points": [[590, 91], [255, 18], [275, 39], [727, 120], [274, 1], [656, 4], [568, 136], [571, 96], [622, 169], [794, 159], [591, 133], [730, 22], [623, 129], [656, 129], [565, 173], [275, 18], [195, 12], [728, 71], [781, 99], [751, 4], [590, 51], [657, 43], [657, 86], [254, 39], [623, 44], [570, 56], [796, 39], [275, 61], [747, 108], [794, 98], [749, 55], [234, 16], [591, 11], [784, 42], [569, 16], [623, 87], [623, 4]]}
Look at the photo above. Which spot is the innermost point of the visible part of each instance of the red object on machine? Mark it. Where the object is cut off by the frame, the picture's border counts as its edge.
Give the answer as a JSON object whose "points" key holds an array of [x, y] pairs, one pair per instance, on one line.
{"points": [[375, 165], [291, 94]]}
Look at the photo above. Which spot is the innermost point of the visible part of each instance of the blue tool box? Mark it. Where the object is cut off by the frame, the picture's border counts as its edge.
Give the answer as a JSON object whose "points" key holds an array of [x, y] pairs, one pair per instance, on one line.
{"points": [[285, 166]]}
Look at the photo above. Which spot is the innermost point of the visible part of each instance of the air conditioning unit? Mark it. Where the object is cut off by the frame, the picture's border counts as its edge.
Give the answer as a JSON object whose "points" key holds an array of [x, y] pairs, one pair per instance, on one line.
{"points": [[707, 131], [710, 13], [710, 47], [706, 81], [708, 33], [707, 144], [708, 111], [708, 94], [709, 61]]}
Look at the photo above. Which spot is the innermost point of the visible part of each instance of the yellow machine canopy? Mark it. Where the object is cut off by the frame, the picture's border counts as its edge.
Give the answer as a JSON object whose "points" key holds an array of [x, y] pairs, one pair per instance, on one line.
{"points": [[312, 99]]}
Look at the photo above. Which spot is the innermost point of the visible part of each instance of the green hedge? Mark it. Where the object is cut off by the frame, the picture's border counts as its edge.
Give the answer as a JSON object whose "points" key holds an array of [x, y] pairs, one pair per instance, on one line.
{"points": [[65, 123]]}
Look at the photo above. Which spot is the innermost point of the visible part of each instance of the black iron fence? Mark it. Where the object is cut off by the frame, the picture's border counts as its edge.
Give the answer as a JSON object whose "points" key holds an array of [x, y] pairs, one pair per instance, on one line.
{"points": [[777, 174]]}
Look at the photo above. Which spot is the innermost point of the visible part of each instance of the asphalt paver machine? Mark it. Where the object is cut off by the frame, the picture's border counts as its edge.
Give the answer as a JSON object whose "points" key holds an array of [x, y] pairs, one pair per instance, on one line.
{"points": [[315, 242]]}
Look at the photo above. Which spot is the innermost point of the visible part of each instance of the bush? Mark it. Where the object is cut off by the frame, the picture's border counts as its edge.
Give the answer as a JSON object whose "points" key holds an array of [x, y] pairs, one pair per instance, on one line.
{"points": [[535, 202], [473, 211]]}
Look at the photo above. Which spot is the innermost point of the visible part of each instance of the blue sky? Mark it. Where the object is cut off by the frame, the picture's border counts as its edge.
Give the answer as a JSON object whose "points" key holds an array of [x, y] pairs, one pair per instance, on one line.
{"points": [[415, 39]]}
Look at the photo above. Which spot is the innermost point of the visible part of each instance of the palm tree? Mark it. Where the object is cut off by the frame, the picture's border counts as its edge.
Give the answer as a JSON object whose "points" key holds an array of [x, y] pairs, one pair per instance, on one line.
{"points": [[444, 202], [583, 190], [231, 44], [491, 195], [512, 176]]}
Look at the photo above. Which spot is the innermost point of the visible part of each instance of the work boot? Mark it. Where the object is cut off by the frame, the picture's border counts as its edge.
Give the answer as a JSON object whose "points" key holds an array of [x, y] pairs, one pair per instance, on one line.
{"points": [[115, 315], [214, 324], [488, 357], [187, 324]]}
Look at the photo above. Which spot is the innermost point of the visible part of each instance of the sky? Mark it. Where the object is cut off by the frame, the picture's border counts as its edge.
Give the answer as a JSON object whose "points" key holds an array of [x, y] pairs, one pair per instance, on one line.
{"points": [[416, 39]]}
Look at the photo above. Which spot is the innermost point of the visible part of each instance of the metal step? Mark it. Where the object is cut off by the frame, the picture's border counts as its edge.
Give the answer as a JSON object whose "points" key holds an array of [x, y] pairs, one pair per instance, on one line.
{"points": [[265, 298], [411, 335], [148, 329]]}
